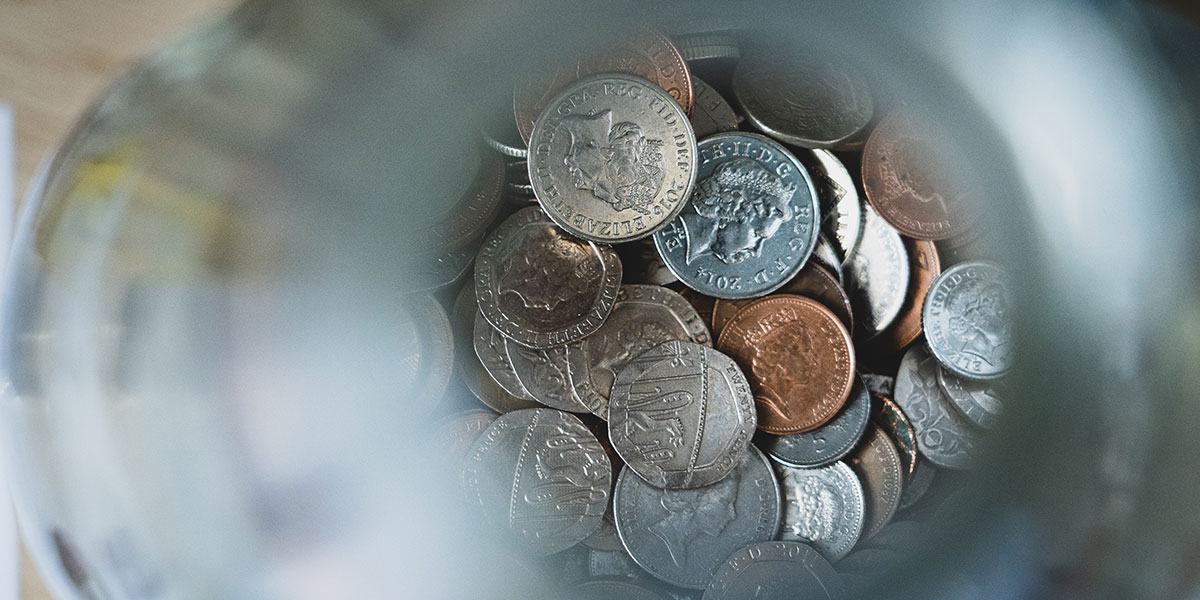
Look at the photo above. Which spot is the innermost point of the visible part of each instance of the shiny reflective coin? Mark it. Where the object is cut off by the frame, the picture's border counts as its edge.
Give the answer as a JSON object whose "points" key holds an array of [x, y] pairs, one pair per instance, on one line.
{"points": [[750, 224], [681, 415], [816, 282], [827, 443], [713, 113], [423, 332], [605, 539], [841, 209], [640, 263], [967, 320], [489, 348], [613, 158], [888, 416], [924, 268], [801, 99], [776, 571], [822, 507], [826, 256], [918, 484], [979, 401], [610, 589], [539, 476], [457, 434], [646, 54], [883, 385], [644, 317], [683, 536], [708, 46], [878, 466], [544, 375], [944, 436], [877, 276], [508, 149], [539, 286], [798, 358], [916, 179]]}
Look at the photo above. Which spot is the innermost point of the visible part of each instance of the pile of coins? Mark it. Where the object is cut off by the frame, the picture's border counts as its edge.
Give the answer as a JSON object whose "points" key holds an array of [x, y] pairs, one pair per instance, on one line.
{"points": [[711, 369]]}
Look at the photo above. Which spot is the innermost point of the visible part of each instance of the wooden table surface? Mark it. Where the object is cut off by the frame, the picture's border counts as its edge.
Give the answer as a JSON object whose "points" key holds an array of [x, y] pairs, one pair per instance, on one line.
{"points": [[56, 57]]}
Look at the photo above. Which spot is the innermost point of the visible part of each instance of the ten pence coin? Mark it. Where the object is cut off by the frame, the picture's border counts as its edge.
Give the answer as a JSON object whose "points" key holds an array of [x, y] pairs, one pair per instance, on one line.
{"points": [[967, 320]]}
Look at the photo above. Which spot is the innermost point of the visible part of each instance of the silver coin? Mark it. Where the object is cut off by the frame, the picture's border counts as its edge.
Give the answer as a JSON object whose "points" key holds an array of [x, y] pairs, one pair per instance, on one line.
{"points": [[608, 589], [967, 320], [877, 275], [489, 347], [944, 436], [423, 331], [541, 287], [877, 463], [438, 271], [644, 316], [711, 113], [776, 571], [750, 224], [613, 564], [841, 208], [918, 484], [681, 415], [827, 443], [683, 536], [803, 100], [826, 255], [605, 539], [641, 263], [543, 374], [470, 369], [979, 401], [613, 157], [822, 507], [507, 149], [541, 477], [884, 385], [707, 46]]}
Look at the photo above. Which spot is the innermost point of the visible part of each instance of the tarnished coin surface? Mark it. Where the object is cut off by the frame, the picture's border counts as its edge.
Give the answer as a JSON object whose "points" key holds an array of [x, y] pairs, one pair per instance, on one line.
{"points": [[644, 317], [423, 332], [979, 401], [681, 415], [802, 99], [884, 385], [878, 466], [822, 507], [541, 477], [924, 268], [888, 416], [613, 588], [544, 375], [712, 113], [492, 355], [944, 436], [841, 208], [798, 358], [967, 320], [612, 158], [683, 536], [776, 571], [827, 443], [816, 282], [915, 488], [541, 287], [916, 179], [877, 276], [750, 224]]}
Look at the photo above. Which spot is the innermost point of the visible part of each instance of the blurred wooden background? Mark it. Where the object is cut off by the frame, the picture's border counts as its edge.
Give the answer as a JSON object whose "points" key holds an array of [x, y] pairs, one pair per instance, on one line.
{"points": [[56, 57]]}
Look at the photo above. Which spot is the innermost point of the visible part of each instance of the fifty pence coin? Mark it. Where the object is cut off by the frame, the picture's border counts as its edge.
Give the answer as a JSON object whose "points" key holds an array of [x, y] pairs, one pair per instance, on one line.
{"points": [[877, 276], [681, 415], [879, 468], [612, 158], [644, 317], [822, 507], [967, 320], [540, 476], [544, 375], [713, 113], [750, 224], [924, 268], [827, 443], [683, 536], [776, 571], [539, 286], [841, 209], [798, 358], [944, 436], [979, 401]]}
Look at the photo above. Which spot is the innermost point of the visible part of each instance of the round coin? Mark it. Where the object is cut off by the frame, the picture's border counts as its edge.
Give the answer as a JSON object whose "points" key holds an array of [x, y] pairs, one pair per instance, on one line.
{"points": [[612, 158], [816, 282], [944, 436], [423, 332], [707, 46], [801, 99], [466, 220], [879, 468], [644, 316], [776, 571], [841, 209], [916, 179], [967, 320], [681, 415], [798, 358], [608, 589], [888, 416], [544, 375], [924, 268], [877, 276], [704, 305], [541, 477], [827, 443], [539, 286], [822, 507], [979, 401], [713, 113], [918, 484], [750, 224], [683, 536], [723, 311]]}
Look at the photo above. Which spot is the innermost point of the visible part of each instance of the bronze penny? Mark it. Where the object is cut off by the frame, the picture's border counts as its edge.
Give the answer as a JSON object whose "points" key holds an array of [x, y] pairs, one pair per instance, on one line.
{"points": [[816, 282], [645, 53], [924, 267], [723, 311], [887, 414], [916, 179], [798, 358]]}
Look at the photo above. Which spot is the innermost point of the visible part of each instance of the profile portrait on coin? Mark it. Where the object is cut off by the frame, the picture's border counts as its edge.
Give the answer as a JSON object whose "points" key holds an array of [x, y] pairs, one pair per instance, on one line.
{"points": [[922, 181], [535, 275], [686, 519], [981, 322], [633, 338], [784, 359], [616, 162], [740, 206]]}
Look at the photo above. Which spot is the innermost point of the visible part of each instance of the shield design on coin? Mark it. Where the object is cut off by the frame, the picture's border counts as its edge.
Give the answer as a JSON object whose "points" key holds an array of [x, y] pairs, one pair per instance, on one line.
{"points": [[563, 480]]}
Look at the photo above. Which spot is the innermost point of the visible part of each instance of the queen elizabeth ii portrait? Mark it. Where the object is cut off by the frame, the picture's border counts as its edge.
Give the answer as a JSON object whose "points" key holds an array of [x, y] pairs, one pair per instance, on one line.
{"points": [[617, 163], [738, 208]]}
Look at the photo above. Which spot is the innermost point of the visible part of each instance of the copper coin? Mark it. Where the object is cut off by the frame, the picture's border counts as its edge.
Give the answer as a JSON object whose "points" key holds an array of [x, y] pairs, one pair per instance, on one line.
{"points": [[705, 305], [646, 53], [924, 267], [723, 311], [878, 465], [798, 357], [887, 414], [816, 282], [916, 179]]}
